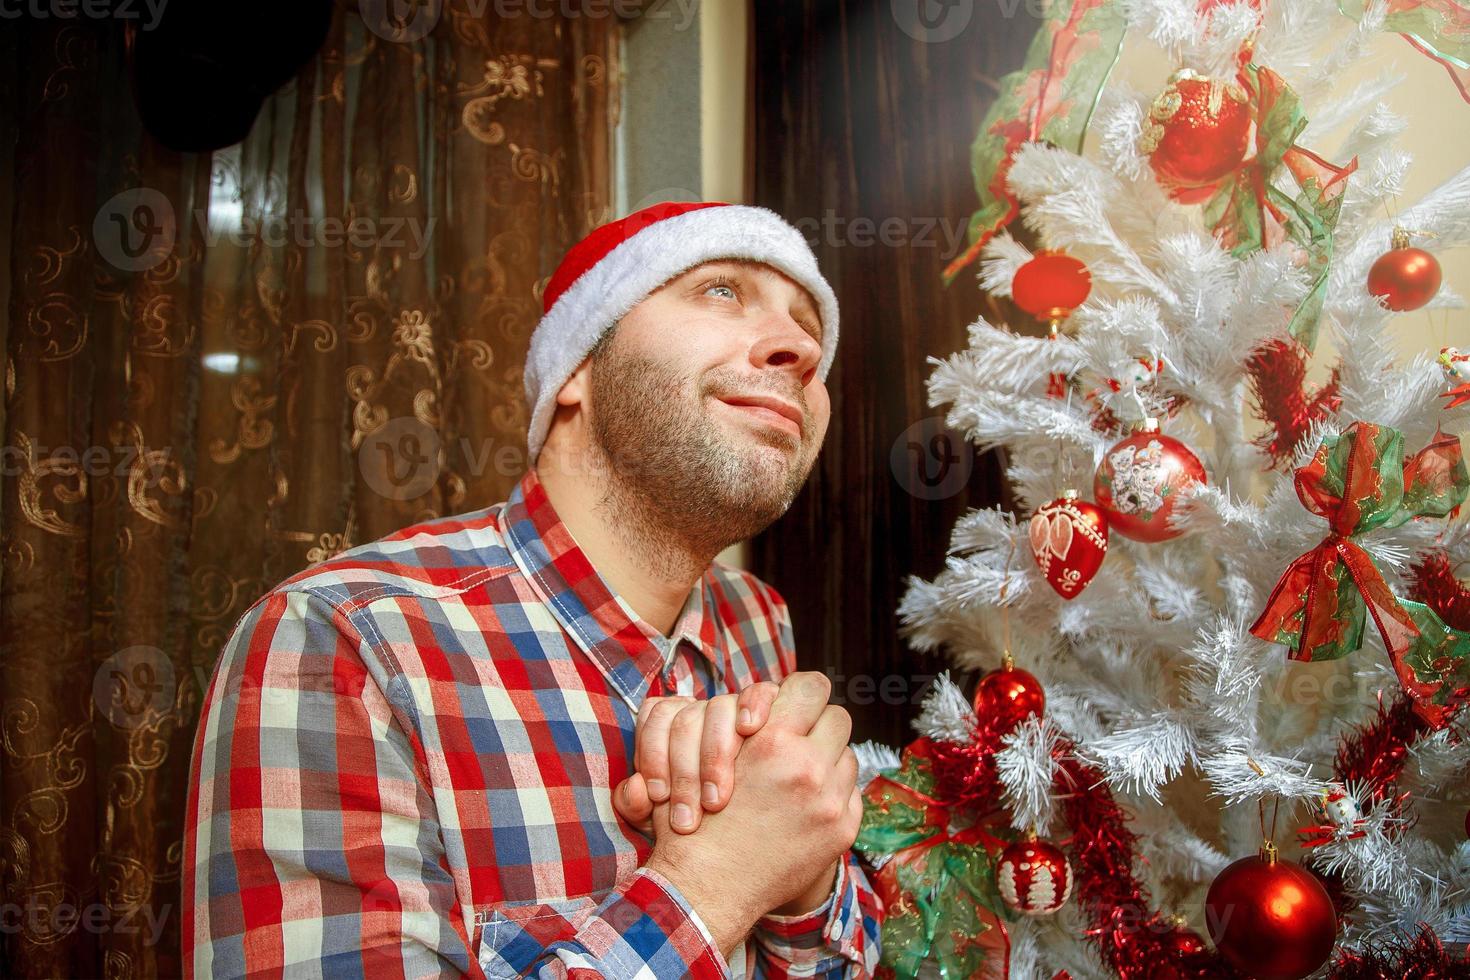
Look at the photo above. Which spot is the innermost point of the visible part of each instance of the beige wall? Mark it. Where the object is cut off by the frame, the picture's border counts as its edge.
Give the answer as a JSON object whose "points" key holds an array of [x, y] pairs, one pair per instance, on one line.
{"points": [[723, 28], [1437, 119]]}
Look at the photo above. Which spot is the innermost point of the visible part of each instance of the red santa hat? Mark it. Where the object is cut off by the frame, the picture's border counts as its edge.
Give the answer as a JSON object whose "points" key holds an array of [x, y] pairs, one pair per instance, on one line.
{"points": [[610, 271]]}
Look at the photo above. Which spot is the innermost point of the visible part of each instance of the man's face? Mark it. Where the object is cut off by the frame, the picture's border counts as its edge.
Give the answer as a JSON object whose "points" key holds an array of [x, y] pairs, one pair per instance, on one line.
{"points": [[706, 397]]}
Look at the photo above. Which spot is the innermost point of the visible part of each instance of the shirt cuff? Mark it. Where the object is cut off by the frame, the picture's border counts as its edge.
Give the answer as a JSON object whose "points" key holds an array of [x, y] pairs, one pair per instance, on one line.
{"points": [[832, 929], [648, 921]]}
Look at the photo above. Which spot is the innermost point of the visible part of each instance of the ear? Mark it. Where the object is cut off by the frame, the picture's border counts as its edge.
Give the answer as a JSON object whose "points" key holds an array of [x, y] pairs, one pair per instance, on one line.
{"points": [[576, 389]]}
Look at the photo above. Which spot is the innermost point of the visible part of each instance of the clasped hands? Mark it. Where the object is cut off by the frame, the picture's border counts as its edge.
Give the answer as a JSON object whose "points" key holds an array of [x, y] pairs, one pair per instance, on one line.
{"points": [[751, 799]]}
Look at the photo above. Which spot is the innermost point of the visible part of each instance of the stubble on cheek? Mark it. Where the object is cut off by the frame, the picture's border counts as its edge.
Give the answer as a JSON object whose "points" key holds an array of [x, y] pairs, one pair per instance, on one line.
{"points": [[661, 434]]}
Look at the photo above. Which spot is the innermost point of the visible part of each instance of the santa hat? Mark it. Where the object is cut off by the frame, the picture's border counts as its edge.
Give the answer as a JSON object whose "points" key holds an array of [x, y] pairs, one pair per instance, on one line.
{"points": [[610, 271]]}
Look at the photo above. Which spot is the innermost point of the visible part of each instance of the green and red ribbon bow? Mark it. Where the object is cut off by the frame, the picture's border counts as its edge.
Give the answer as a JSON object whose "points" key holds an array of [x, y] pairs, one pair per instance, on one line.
{"points": [[937, 882], [1249, 213], [1360, 481], [1435, 671]]}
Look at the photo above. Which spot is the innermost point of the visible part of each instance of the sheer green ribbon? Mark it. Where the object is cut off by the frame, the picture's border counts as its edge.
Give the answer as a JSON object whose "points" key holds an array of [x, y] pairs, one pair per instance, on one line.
{"points": [[937, 883], [1050, 98], [1249, 213]]}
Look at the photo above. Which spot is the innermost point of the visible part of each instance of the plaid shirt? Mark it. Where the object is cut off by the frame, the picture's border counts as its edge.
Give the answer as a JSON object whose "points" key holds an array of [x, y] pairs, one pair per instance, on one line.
{"points": [[406, 760]]}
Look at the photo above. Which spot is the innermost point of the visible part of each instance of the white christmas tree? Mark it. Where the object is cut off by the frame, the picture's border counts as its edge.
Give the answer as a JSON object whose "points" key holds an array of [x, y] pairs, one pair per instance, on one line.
{"points": [[1151, 671]]}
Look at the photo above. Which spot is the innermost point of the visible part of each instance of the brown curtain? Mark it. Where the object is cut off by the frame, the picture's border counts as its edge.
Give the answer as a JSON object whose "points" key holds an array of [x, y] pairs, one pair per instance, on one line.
{"points": [[862, 116], [250, 361]]}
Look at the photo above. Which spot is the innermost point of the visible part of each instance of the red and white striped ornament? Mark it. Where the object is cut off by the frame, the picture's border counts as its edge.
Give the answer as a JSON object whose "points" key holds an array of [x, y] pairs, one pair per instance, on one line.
{"points": [[1033, 876]]}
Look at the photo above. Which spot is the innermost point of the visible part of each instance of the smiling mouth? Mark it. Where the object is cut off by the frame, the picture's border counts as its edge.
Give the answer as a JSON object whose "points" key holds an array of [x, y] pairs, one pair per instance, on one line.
{"points": [[768, 417]]}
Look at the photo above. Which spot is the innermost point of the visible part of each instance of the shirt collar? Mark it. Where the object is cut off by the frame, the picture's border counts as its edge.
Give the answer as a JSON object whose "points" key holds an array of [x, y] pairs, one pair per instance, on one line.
{"points": [[628, 651]]}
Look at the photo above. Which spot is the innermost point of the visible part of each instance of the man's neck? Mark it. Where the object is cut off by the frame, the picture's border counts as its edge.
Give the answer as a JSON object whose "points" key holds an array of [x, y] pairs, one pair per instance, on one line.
{"points": [[626, 541]]}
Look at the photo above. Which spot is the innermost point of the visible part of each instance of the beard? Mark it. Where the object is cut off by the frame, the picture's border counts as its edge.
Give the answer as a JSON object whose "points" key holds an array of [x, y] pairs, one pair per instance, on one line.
{"points": [[679, 471]]}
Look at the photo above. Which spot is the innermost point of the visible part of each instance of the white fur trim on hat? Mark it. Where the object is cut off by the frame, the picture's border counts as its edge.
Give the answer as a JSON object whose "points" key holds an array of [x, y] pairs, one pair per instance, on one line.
{"points": [[636, 267]]}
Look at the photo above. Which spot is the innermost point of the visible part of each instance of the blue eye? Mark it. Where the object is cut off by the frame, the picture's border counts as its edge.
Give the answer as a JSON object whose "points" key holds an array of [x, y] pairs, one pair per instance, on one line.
{"points": [[730, 293]]}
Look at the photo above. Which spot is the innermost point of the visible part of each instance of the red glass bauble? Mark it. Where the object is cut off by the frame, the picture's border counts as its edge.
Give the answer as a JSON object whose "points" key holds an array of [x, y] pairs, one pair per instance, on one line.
{"points": [[1069, 538], [1405, 278], [1139, 481], [1271, 918], [1033, 876], [1051, 285], [1010, 695], [1197, 132]]}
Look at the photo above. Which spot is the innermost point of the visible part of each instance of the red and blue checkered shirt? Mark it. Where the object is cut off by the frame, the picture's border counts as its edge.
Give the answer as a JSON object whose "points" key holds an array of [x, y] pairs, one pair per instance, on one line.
{"points": [[406, 759]]}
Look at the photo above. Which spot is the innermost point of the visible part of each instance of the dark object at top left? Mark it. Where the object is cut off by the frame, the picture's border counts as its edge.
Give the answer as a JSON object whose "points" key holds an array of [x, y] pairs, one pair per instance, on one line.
{"points": [[201, 74]]}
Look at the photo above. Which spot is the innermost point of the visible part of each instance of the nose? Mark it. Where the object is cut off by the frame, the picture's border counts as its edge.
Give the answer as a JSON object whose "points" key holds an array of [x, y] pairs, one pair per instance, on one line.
{"points": [[785, 344]]}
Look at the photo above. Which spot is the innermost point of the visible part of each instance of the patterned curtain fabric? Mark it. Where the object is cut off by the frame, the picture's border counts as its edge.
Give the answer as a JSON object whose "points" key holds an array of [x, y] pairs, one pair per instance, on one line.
{"points": [[221, 368]]}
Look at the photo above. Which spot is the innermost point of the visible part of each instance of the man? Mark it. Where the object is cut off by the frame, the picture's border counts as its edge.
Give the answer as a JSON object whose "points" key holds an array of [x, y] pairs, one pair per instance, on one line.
{"points": [[417, 758]]}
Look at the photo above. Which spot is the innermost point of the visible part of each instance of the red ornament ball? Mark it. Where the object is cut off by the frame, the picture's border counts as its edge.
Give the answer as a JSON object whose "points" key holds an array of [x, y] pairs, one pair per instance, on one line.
{"points": [[1069, 538], [1010, 695], [1139, 481], [1033, 876], [1197, 132], [1405, 278], [1186, 944], [1051, 285], [1271, 918]]}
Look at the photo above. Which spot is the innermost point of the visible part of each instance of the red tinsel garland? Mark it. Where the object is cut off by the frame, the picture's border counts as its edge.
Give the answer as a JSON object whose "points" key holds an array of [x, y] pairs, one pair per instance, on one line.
{"points": [[1435, 585], [1425, 958], [1374, 755], [1137, 942], [1278, 372]]}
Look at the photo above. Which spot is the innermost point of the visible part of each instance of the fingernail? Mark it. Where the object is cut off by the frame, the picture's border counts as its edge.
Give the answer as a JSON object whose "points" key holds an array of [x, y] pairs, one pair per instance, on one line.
{"points": [[683, 816], [657, 790], [745, 716], [711, 794]]}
